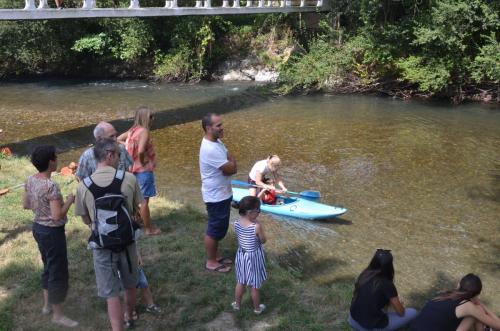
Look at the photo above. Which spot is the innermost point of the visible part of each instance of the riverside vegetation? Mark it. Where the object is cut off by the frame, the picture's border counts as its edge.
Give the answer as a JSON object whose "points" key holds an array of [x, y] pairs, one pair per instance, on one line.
{"points": [[190, 297], [429, 48]]}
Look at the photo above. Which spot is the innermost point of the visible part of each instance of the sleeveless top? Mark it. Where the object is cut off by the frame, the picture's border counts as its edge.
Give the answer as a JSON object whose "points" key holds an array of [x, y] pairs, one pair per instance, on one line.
{"points": [[132, 145], [438, 316], [250, 265]]}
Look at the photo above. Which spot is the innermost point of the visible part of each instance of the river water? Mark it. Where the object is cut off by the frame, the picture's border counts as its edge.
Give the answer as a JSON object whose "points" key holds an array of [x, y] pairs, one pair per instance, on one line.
{"points": [[421, 179]]}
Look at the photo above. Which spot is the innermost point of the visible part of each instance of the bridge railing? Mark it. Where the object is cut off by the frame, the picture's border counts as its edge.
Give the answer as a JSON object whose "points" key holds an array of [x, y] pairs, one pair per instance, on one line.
{"points": [[174, 4]]}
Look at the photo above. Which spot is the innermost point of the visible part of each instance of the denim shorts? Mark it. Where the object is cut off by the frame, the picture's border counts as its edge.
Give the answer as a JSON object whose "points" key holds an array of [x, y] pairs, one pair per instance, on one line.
{"points": [[218, 218], [142, 281], [146, 182]]}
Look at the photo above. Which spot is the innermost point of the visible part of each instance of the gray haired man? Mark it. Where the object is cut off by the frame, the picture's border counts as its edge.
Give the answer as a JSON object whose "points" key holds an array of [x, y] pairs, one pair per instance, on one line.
{"points": [[87, 163], [106, 180]]}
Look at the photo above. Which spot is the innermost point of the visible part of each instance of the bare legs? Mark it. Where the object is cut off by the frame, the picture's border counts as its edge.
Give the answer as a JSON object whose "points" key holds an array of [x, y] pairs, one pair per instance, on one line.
{"points": [[254, 293], [115, 312], [146, 218]]}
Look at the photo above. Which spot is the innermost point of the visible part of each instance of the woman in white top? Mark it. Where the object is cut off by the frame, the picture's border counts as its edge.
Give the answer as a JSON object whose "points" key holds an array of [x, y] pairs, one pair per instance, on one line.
{"points": [[261, 172]]}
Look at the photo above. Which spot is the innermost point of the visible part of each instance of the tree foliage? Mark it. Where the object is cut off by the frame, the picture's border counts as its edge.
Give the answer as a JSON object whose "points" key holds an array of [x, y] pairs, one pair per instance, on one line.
{"points": [[436, 46]]}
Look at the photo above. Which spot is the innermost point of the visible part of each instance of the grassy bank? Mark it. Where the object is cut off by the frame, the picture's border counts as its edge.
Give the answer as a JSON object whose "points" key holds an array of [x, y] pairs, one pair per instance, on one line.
{"points": [[190, 297]]}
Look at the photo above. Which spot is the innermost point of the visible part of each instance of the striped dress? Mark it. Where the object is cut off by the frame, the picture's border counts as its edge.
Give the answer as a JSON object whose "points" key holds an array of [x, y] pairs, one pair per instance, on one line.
{"points": [[250, 265]]}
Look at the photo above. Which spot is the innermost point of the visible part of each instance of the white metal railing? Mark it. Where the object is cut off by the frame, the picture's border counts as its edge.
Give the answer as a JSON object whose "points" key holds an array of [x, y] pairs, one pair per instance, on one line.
{"points": [[173, 4]]}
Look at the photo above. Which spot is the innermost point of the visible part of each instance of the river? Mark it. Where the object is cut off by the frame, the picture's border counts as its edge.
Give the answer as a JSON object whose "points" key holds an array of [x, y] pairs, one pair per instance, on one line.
{"points": [[419, 178]]}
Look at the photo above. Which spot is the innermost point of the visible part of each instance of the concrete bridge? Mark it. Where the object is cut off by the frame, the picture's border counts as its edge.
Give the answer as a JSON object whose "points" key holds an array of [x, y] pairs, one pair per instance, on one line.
{"points": [[42, 11]]}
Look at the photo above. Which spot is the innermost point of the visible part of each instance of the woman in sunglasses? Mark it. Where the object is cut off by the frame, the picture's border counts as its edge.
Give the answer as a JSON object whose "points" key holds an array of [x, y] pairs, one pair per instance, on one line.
{"points": [[374, 292]]}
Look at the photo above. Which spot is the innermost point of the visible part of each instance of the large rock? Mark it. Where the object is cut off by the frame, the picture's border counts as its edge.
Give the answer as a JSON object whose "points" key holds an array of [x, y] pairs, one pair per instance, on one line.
{"points": [[266, 75], [236, 75]]}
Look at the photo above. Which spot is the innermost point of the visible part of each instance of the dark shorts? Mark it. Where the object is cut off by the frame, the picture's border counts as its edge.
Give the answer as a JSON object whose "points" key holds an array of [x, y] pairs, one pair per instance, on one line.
{"points": [[218, 218]]}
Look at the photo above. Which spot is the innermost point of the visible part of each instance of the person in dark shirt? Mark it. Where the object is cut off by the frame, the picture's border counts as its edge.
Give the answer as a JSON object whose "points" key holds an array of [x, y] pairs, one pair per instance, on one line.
{"points": [[374, 291], [457, 310]]}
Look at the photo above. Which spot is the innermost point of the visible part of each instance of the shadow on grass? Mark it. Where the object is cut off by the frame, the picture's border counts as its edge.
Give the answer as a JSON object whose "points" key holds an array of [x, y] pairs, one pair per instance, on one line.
{"points": [[303, 265], [442, 282], [82, 136], [11, 234]]}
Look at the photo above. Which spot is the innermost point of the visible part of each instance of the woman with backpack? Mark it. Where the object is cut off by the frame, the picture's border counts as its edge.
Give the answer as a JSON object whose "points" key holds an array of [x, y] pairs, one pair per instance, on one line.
{"points": [[374, 292], [457, 310], [140, 146]]}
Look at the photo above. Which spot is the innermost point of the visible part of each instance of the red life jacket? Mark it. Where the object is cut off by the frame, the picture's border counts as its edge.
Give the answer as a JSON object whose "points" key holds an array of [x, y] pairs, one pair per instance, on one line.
{"points": [[269, 197]]}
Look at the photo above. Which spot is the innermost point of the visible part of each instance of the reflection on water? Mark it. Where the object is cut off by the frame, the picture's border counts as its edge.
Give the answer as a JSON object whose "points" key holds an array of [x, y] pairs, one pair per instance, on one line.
{"points": [[417, 178]]}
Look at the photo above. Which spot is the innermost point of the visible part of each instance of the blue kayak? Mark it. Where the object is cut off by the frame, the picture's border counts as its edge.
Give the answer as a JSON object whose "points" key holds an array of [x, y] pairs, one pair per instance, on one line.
{"points": [[295, 207]]}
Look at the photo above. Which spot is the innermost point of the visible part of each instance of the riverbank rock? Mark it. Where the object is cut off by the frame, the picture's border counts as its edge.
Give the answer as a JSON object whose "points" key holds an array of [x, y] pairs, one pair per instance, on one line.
{"points": [[266, 75], [245, 70], [236, 75]]}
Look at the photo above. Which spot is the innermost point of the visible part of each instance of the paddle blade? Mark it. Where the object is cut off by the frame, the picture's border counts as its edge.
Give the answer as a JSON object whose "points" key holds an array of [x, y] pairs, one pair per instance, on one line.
{"points": [[241, 183], [311, 195]]}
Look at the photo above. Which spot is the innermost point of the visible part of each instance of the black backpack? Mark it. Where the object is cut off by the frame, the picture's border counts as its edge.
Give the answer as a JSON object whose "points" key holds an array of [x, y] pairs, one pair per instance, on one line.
{"points": [[114, 227]]}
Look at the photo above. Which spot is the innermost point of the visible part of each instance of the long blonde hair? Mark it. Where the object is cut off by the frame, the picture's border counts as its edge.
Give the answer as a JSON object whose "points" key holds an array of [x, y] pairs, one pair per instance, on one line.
{"points": [[143, 117]]}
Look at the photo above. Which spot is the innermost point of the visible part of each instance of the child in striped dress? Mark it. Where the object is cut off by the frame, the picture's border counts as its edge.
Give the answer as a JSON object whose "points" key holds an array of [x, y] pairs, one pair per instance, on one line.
{"points": [[250, 265]]}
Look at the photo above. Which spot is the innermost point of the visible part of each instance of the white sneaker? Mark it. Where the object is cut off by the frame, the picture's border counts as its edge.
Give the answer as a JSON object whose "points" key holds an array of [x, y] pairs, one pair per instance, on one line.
{"points": [[235, 306], [259, 311]]}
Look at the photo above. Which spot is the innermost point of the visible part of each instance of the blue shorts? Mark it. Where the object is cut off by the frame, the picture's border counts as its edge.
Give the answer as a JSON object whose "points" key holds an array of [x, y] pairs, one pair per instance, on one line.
{"points": [[146, 182], [218, 218], [142, 281]]}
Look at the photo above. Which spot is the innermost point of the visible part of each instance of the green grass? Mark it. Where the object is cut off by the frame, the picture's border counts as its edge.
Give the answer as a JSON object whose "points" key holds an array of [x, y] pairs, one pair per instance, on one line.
{"points": [[191, 298]]}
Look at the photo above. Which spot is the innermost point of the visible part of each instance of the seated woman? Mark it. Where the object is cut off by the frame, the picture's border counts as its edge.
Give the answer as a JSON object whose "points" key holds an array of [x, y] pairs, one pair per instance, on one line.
{"points": [[374, 291], [260, 170], [457, 310]]}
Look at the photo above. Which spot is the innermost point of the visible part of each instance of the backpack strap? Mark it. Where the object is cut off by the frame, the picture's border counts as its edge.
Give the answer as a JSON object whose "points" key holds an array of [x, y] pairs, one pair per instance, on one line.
{"points": [[99, 191]]}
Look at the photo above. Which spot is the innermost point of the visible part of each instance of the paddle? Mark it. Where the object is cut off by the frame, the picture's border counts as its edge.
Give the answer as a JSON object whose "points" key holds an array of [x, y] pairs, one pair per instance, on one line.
{"points": [[305, 194]]}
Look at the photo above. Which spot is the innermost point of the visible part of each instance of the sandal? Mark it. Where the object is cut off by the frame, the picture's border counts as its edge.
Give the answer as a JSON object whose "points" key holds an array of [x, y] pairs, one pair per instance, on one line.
{"points": [[135, 317], [225, 260], [219, 269], [153, 309]]}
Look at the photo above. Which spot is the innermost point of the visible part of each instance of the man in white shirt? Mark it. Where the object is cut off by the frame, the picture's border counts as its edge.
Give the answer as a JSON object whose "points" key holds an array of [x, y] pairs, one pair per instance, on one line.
{"points": [[216, 168]]}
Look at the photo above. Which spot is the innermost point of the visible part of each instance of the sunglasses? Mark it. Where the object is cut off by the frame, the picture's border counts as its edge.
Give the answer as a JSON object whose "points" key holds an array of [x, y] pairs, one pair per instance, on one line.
{"points": [[254, 210]]}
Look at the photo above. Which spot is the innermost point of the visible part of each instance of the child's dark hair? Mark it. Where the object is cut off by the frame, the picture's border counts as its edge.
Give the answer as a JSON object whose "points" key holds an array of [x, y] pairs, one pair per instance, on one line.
{"points": [[248, 203], [42, 155]]}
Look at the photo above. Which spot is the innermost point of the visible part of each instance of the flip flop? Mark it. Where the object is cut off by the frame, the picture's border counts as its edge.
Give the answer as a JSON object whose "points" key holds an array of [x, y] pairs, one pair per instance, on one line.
{"points": [[219, 269], [225, 260]]}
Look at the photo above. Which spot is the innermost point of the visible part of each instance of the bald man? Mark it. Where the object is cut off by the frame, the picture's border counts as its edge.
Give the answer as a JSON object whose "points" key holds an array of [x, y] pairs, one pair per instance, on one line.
{"points": [[87, 164]]}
